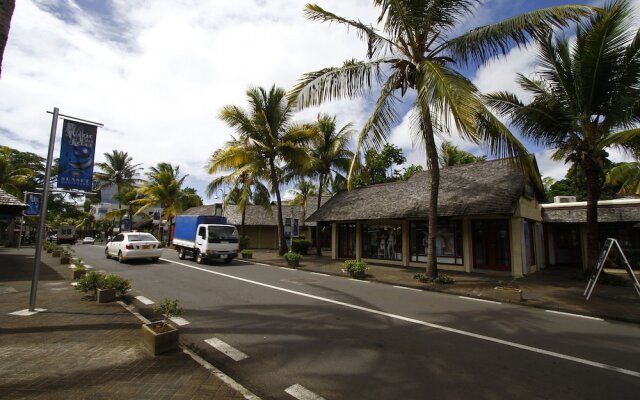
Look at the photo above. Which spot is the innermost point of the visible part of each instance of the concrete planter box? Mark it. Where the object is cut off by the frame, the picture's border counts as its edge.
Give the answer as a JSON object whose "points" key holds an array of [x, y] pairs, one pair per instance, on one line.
{"points": [[78, 273], [65, 259], [159, 338], [510, 294], [294, 264], [247, 256], [105, 295], [56, 254]]}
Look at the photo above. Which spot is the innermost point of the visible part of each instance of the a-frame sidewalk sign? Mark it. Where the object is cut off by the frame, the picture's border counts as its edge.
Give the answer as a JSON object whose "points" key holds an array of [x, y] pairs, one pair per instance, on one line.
{"points": [[597, 270]]}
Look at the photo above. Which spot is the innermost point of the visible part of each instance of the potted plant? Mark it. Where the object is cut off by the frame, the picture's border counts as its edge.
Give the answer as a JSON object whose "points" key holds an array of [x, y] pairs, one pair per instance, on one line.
{"points": [[110, 286], [293, 259], [355, 268], [79, 269], [246, 253], [90, 282], [48, 247], [508, 292], [159, 336], [65, 256], [57, 250]]}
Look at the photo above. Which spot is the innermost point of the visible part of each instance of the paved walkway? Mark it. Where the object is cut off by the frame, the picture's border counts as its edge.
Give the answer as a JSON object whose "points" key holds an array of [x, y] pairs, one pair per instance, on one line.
{"points": [[79, 349], [555, 288]]}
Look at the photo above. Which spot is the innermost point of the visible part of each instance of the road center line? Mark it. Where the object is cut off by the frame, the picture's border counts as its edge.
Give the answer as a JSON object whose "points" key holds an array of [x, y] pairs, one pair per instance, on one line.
{"points": [[481, 300], [574, 315], [226, 349], [302, 393], [428, 324]]}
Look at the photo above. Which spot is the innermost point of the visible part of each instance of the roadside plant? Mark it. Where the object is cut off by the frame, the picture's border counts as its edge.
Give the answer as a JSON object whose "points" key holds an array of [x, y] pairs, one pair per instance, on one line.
{"points": [[300, 246], [113, 281], [90, 282], [290, 256], [78, 264], [169, 308], [355, 268], [246, 252], [441, 279]]}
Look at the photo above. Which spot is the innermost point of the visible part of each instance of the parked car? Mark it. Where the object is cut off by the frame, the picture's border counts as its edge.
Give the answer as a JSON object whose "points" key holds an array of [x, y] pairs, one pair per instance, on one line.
{"points": [[88, 240], [130, 245]]}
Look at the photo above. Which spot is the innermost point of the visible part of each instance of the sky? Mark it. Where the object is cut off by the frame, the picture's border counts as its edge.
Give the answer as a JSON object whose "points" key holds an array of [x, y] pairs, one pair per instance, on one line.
{"points": [[157, 73]]}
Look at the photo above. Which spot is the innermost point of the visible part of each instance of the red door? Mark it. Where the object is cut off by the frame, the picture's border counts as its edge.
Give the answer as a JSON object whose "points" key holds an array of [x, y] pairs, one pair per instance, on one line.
{"points": [[491, 245]]}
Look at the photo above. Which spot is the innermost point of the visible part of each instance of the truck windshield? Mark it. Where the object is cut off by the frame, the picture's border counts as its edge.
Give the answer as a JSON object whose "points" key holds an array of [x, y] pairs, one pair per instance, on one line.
{"points": [[218, 233]]}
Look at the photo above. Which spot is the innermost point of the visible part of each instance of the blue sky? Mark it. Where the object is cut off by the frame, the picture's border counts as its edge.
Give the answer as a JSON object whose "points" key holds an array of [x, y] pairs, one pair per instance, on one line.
{"points": [[157, 72]]}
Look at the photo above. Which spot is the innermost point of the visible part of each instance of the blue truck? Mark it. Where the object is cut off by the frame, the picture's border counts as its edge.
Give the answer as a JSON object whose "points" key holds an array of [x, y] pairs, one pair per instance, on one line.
{"points": [[205, 237]]}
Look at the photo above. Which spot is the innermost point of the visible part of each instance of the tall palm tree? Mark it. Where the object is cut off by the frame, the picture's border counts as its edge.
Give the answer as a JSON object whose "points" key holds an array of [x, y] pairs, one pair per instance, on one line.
{"points": [[246, 169], [586, 100], [267, 130], [12, 178], [6, 13], [330, 157], [627, 176], [302, 192], [120, 171], [451, 155], [416, 49], [164, 188]]}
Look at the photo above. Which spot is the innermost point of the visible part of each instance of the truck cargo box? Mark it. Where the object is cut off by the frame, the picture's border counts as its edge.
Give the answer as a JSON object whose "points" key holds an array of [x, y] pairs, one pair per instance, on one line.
{"points": [[186, 225]]}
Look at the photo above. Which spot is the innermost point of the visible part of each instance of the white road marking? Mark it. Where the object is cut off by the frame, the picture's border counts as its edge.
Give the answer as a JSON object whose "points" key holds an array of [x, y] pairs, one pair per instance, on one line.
{"points": [[227, 349], [74, 283], [144, 300], [288, 269], [575, 315], [407, 288], [359, 280], [318, 273], [302, 393], [180, 321], [428, 324], [27, 313], [482, 300]]}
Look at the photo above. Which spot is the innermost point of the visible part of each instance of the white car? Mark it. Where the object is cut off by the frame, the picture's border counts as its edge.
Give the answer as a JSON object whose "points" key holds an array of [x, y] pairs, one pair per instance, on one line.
{"points": [[130, 245], [88, 240]]}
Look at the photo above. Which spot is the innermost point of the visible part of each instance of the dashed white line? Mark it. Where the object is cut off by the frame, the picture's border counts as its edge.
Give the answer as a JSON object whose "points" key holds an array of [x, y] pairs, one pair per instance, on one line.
{"points": [[481, 300], [407, 288], [359, 280], [179, 321], [302, 393], [227, 349], [424, 323], [318, 273], [144, 300], [575, 315]]}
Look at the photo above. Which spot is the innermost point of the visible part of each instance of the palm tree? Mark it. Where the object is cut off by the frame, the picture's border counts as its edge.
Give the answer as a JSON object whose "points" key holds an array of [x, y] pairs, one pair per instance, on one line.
{"points": [[6, 13], [247, 170], [302, 192], [330, 157], [416, 50], [164, 188], [266, 130], [12, 178], [451, 155], [627, 176], [118, 170], [586, 99]]}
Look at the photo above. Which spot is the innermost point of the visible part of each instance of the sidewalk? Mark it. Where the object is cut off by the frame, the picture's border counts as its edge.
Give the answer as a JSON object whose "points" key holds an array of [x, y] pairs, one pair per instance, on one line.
{"points": [[553, 289], [79, 349]]}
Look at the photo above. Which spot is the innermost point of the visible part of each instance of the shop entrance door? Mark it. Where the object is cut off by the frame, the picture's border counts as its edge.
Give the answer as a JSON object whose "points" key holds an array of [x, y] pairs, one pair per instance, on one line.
{"points": [[491, 245], [347, 241]]}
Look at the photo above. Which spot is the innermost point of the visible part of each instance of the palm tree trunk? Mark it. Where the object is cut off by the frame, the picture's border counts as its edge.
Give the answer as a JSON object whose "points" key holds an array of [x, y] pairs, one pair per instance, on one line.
{"points": [[244, 214], [6, 13], [318, 246], [282, 243], [434, 173], [593, 195]]}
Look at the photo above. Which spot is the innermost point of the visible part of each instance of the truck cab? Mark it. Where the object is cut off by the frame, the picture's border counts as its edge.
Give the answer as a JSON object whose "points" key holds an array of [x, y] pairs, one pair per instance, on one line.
{"points": [[211, 241]]}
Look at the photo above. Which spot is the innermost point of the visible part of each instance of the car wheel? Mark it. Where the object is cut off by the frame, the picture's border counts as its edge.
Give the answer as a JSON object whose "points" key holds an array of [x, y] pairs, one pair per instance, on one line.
{"points": [[199, 257], [181, 254], [106, 253], [120, 258]]}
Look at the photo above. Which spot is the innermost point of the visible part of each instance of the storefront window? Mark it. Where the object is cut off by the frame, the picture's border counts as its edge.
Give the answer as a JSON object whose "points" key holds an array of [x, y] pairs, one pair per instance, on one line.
{"points": [[448, 242], [382, 241]]}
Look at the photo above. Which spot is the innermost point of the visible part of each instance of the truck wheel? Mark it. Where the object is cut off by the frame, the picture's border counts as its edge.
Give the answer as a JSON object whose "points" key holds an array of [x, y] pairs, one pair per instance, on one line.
{"points": [[199, 257], [181, 254]]}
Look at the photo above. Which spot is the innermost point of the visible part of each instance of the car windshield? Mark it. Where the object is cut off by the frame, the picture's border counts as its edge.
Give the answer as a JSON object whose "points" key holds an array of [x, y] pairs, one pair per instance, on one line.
{"points": [[141, 237], [223, 232]]}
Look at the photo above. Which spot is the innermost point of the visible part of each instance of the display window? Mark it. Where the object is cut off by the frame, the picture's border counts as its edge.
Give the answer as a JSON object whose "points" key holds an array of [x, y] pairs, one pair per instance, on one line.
{"points": [[382, 241], [448, 242]]}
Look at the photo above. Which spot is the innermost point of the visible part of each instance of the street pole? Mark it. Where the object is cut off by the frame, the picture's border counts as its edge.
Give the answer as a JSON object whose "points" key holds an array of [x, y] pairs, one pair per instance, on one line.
{"points": [[21, 222], [43, 212], [291, 231]]}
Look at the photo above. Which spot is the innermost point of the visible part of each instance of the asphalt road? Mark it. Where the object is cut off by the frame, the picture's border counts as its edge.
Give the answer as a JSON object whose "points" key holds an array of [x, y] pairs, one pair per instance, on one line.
{"points": [[337, 338]]}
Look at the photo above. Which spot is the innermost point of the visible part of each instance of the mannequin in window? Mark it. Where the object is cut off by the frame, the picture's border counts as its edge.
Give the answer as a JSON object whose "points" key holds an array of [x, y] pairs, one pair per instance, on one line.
{"points": [[391, 247], [382, 247]]}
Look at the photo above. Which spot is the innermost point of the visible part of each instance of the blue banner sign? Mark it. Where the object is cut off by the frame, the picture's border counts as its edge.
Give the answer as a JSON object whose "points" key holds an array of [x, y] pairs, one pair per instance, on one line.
{"points": [[33, 205], [76, 155]]}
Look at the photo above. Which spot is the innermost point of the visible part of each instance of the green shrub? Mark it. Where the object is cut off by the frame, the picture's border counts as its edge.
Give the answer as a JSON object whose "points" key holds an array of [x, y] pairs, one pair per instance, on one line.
{"points": [[243, 242], [91, 281], [355, 268], [441, 279], [169, 308], [78, 264], [246, 252], [113, 281], [300, 246], [291, 256]]}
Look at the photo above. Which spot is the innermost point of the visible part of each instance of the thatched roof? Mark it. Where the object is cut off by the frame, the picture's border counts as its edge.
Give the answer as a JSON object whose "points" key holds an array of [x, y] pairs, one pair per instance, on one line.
{"points": [[10, 204], [608, 211], [490, 187], [257, 215]]}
